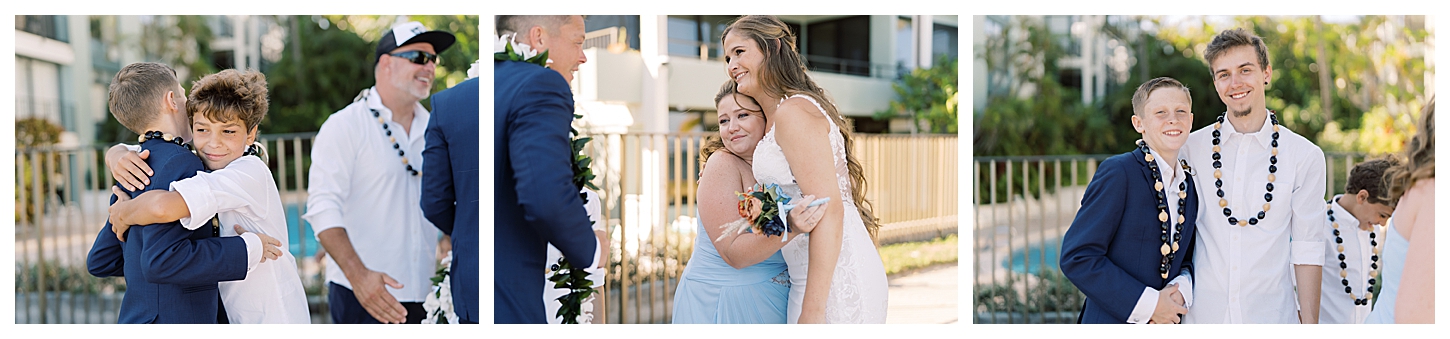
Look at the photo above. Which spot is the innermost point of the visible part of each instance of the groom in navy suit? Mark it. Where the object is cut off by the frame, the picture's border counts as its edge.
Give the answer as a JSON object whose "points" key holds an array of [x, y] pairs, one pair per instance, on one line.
{"points": [[171, 272], [450, 187], [535, 197], [1123, 248]]}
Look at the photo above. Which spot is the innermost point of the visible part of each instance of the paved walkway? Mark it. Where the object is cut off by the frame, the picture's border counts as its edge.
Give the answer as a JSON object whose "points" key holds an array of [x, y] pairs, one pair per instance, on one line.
{"points": [[926, 296]]}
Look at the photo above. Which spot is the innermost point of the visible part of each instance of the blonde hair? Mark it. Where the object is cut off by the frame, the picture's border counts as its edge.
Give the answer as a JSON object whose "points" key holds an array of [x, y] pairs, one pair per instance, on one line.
{"points": [[1420, 154], [713, 143], [135, 93], [785, 75]]}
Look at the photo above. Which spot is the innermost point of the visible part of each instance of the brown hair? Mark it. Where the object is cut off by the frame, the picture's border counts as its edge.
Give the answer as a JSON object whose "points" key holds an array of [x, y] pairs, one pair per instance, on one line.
{"points": [[785, 75], [1236, 37], [1419, 154], [230, 95], [136, 92], [1370, 176], [1140, 97]]}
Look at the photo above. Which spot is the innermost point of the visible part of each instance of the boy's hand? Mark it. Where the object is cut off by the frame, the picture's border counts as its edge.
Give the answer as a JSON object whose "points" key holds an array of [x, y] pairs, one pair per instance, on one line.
{"points": [[129, 168], [117, 225], [270, 250]]}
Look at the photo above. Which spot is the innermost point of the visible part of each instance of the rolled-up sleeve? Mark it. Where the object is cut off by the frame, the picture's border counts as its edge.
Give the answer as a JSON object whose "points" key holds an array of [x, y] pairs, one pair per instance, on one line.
{"points": [[327, 184], [1307, 223], [235, 188]]}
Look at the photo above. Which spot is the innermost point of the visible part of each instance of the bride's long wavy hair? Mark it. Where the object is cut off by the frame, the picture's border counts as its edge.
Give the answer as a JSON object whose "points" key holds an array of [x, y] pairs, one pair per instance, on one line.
{"points": [[785, 75], [1419, 156]]}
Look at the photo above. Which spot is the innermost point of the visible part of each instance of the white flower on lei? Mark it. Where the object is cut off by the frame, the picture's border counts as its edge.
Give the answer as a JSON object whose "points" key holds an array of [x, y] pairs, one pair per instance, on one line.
{"points": [[439, 303], [519, 48]]}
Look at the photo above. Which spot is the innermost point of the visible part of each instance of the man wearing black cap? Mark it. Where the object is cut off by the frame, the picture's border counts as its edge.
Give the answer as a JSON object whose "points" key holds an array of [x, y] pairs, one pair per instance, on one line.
{"points": [[364, 187]]}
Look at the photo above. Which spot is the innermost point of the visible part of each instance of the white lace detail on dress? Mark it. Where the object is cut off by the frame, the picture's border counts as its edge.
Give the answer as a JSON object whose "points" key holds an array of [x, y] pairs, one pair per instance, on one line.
{"points": [[858, 287]]}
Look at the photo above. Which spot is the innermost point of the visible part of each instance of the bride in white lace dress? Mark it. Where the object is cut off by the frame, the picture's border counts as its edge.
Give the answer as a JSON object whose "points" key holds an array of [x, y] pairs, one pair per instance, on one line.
{"points": [[835, 271]]}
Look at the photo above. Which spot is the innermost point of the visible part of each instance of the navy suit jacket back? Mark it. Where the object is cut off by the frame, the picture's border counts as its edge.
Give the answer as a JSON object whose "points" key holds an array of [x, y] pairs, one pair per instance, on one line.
{"points": [[1113, 248], [535, 197], [173, 272], [450, 187]]}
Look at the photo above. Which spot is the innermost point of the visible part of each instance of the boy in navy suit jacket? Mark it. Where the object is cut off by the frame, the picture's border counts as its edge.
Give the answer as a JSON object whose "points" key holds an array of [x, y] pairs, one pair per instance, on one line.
{"points": [[1123, 248], [173, 272]]}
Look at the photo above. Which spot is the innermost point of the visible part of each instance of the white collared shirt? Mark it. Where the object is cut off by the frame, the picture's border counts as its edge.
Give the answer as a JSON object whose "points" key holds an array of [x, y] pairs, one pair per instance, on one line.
{"points": [[1243, 273], [1335, 306], [1172, 173], [359, 183], [243, 193]]}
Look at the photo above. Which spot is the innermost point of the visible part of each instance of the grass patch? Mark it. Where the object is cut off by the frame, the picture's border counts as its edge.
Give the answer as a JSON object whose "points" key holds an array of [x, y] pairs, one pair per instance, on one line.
{"points": [[913, 255]]}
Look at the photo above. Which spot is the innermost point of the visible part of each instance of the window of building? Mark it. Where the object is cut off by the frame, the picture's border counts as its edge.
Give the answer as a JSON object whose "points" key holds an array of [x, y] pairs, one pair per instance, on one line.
{"points": [[49, 26], [630, 24], [944, 40], [694, 35], [839, 46]]}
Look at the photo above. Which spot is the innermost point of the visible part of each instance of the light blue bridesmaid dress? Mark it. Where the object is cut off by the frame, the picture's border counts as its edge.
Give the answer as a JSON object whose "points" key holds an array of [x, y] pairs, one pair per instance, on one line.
{"points": [[713, 292], [1393, 260]]}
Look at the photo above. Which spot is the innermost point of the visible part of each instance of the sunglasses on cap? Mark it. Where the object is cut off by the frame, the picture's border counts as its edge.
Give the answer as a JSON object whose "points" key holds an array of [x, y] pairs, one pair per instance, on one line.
{"points": [[417, 57]]}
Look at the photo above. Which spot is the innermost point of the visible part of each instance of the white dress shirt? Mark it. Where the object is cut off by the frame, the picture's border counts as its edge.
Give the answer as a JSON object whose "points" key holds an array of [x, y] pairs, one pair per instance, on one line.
{"points": [[358, 182], [1335, 306], [243, 194], [551, 294], [1148, 301], [1242, 274]]}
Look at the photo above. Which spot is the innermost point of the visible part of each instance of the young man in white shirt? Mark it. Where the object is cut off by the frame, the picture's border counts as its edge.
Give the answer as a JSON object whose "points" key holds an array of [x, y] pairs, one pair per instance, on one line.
{"points": [[364, 190], [1262, 187], [1353, 243]]}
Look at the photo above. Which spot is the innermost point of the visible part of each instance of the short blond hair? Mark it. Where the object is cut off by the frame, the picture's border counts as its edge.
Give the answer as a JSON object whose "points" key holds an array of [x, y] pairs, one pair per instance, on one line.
{"points": [[1140, 97], [135, 93]]}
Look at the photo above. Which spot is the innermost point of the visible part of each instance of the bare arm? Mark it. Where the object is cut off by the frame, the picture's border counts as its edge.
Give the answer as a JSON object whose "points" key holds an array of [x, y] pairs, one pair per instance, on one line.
{"points": [[1416, 303], [723, 175], [366, 283], [1309, 278], [802, 132]]}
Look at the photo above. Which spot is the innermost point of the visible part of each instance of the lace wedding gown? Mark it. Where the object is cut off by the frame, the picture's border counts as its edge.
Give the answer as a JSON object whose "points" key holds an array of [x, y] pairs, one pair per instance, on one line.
{"points": [[858, 289]]}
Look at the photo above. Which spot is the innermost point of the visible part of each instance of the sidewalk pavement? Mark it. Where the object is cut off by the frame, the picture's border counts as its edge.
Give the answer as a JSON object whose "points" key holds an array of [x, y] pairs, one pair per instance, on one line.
{"points": [[925, 296]]}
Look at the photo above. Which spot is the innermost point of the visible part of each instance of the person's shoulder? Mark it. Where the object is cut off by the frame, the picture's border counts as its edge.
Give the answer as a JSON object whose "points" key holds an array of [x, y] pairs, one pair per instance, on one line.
{"points": [[171, 162], [723, 159], [803, 107], [1119, 161], [251, 165]]}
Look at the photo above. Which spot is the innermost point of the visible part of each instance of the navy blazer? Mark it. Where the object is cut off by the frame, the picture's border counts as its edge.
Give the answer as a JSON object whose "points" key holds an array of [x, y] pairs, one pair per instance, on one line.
{"points": [[535, 197], [450, 187], [173, 272], [1113, 248]]}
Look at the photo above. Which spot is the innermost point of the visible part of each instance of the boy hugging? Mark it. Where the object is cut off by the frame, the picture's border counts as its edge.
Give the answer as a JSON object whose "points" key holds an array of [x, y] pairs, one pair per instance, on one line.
{"points": [[173, 271]]}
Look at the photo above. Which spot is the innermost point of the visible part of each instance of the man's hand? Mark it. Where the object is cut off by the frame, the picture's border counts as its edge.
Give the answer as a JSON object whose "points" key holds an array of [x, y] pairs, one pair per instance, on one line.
{"points": [[117, 225], [368, 287], [270, 250], [1170, 306], [129, 168], [445, 244]]}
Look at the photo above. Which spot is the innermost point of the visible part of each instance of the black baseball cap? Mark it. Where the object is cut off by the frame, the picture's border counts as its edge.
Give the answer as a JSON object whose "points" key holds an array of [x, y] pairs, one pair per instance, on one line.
{"points": [[413, 32]]}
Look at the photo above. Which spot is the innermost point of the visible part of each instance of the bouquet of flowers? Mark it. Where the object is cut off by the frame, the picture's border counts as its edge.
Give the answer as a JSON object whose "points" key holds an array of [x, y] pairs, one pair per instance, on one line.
{"points": [[763, 209], [439, 303]]}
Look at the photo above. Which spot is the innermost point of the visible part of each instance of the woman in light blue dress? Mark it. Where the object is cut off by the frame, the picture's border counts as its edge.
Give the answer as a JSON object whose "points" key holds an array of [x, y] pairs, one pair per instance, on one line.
{"points": [[1407, 292], [739, 278]]}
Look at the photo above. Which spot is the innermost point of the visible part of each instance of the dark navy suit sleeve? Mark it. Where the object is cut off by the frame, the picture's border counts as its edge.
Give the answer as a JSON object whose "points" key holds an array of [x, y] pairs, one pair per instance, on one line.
{"points": [[1086, 244], [541, 156], [438, 197], [107, 256], [169, 255]]}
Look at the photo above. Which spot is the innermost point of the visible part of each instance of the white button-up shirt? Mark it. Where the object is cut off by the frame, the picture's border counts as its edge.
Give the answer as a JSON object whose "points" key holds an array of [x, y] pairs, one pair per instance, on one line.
{"points": [[244, 194], [1172, 173], [1243, 274], [1335, 306], [358, 182]]}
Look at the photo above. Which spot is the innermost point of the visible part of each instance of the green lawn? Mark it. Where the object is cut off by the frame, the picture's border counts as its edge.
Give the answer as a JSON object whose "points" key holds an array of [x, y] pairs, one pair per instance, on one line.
{"points": [[904, 257]]}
